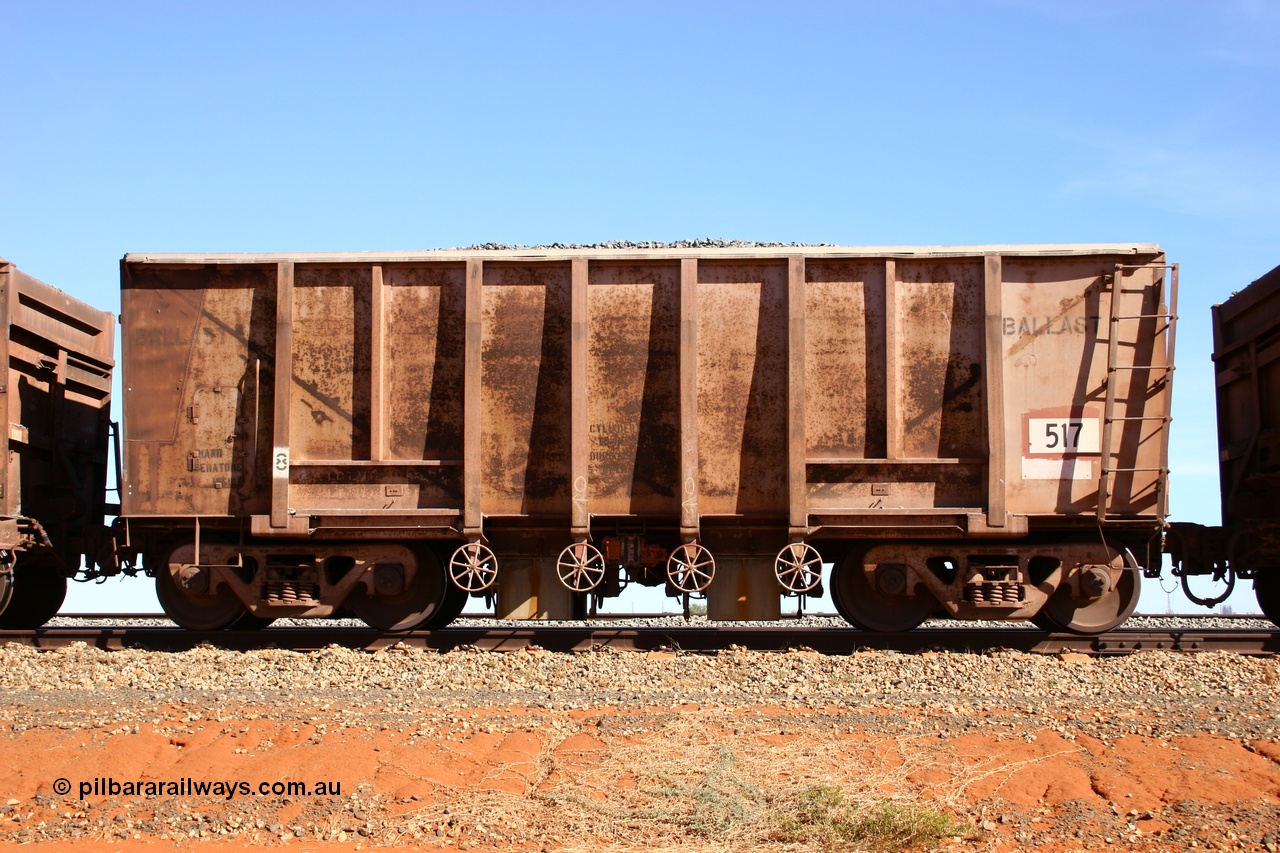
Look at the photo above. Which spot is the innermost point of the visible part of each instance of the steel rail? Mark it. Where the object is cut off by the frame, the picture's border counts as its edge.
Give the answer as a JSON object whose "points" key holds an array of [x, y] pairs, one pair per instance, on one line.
{"points": [[702, 640], [107, 616]]}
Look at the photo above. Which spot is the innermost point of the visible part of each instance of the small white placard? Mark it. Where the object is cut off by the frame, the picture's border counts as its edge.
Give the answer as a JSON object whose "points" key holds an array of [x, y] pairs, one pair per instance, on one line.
{"points": [[1057, 469]]}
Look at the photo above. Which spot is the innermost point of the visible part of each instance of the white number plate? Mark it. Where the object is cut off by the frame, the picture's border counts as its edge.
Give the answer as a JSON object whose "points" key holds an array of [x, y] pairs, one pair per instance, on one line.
{"points": [[1063, 436]]}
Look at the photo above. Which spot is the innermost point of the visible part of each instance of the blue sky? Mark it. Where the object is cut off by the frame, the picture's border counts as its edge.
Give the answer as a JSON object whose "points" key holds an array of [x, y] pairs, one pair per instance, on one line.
{"points": [[324, 126]]}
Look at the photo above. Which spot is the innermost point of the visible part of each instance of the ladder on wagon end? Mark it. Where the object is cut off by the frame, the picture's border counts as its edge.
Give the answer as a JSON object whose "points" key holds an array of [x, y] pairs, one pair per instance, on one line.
{"points": [[1165, 316]]}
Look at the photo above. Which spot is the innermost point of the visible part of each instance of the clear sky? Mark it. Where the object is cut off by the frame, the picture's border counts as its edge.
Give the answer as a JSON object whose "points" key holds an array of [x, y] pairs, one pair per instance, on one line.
{"points": [[280, 126]]}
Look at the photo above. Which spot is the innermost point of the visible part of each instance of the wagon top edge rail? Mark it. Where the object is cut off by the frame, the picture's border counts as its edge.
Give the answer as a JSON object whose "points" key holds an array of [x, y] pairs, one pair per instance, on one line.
{"points": [[674, 251]]}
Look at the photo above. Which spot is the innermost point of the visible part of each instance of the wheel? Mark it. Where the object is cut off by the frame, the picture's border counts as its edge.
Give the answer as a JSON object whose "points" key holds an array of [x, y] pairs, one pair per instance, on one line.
{"points": [[580, 567], [473, 567], [691, 568], [878, 603], [798, 567], [6, 581], [416, 603], [36, 592], [1266, 585], [183, 590], [1064, 612], [454, 601]]}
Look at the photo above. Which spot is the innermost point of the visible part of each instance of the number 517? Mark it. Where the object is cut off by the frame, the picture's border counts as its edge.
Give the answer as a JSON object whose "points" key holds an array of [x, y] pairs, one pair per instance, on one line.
{"points": [[1063, 435]]}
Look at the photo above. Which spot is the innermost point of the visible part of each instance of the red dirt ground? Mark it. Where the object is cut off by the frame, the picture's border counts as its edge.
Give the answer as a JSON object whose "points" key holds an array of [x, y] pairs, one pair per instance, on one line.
{"points": [[529, 779]]}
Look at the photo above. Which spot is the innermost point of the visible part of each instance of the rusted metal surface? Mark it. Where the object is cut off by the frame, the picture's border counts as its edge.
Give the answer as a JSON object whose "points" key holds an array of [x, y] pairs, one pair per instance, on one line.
{"points": [[1246, 334], [741, 399], [836, 641], [55, 393], [1247, 361]]}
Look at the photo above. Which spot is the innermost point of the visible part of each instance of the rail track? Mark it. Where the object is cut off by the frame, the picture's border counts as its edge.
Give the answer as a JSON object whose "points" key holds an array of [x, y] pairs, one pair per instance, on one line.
{"points": [[696, 639]]}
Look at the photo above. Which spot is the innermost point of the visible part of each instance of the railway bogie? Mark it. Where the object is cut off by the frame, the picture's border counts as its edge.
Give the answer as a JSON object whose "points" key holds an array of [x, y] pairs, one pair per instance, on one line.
{"points": [[1077, 586], [217, 583]]}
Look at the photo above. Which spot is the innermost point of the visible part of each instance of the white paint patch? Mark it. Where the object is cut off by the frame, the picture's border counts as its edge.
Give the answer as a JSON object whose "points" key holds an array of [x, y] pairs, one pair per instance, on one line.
{"points": [[1057, 469]]}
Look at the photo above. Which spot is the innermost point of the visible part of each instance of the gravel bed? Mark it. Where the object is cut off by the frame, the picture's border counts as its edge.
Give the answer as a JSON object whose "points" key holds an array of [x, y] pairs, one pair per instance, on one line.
{"points": [[1239, 691]]}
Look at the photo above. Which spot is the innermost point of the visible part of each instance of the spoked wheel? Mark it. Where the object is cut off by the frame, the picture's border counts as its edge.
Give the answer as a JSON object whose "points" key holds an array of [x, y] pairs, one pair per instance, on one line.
{"points": [[1065, 612], [877, 600], [473, 567], [1266, 585], [185, 594], [798, 567], [691, 568], [404, 603], [581, 567]]}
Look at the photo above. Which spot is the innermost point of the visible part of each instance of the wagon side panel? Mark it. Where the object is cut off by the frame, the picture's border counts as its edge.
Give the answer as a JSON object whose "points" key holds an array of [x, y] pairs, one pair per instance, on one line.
{"points": [[199, 355], [742, 388], [633, 388], [1055, 330], [525, 399]]}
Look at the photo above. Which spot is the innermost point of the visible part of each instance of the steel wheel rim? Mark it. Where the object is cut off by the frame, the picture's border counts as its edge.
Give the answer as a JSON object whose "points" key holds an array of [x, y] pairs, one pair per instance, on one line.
{"points": [[1266, 587], [416, 604], [194, 611], [1065, 613], [6, 579], [580, 567], [691, 568], [473, 567], [855, 596], [798, 567]]}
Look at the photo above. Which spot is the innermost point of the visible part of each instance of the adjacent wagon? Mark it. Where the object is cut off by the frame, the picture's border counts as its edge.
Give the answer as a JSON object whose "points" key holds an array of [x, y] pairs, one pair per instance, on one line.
{"points": [[56, 394], [1246, 357]]}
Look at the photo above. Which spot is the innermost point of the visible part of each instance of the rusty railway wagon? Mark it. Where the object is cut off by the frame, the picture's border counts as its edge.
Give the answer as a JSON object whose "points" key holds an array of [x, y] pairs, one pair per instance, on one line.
{"points": [[976, 431], [56, 393], [1246, 355]]}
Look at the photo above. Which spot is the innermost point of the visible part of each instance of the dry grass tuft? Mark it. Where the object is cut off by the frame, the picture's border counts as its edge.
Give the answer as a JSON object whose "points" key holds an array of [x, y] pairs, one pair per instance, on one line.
{"points": [[822, 818], [754, 790]]}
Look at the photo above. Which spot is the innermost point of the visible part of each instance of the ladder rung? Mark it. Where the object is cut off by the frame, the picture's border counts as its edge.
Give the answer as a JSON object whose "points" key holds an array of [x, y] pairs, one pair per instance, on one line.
{"points": [[1125, 470], [1167, 367], [1140, 418], [1140, 317]]}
